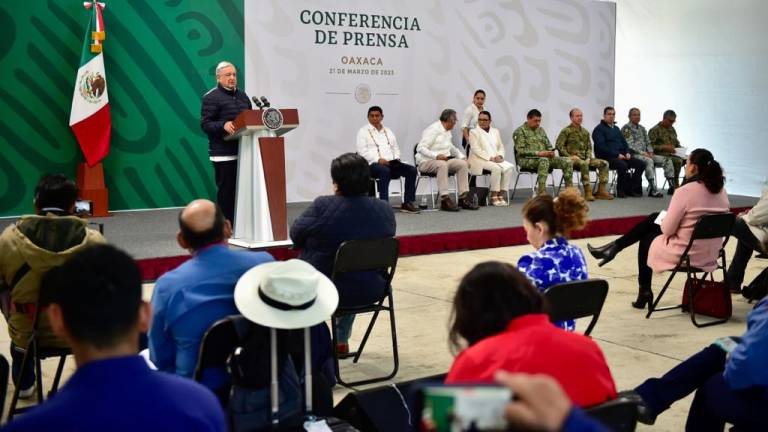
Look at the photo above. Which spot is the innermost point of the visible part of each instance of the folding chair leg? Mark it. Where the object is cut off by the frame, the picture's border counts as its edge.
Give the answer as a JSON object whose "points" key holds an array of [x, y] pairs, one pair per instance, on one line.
{"points": [[395, 353], [360, 348], [334, 343], [57, 377], [654, 307], [15, 399], [514, 188]]}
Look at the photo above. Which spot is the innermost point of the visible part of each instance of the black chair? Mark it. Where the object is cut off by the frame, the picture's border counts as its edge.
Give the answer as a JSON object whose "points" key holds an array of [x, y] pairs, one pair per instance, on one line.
{"points": [[35, 354], [376, 255], [577, 299], [218, 342], [619, 415], [708, 227], [217, 345]]}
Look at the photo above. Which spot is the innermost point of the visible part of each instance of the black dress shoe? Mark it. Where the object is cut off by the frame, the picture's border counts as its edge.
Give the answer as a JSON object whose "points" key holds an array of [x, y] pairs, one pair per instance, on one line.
{"points": [[644, 298], [621, 194], [466, 204], [605, 253], [635, 195], [644, 414]]}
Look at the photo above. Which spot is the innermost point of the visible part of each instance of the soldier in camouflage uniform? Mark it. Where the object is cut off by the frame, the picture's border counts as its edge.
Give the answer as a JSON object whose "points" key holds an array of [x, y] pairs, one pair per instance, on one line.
{"points": [[664, 140], [533, 152], [637, 138], [573, 142]]}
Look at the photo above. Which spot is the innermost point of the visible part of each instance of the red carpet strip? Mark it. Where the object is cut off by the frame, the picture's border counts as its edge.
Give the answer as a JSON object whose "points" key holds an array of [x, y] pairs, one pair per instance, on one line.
{"points": [[422, 244]]}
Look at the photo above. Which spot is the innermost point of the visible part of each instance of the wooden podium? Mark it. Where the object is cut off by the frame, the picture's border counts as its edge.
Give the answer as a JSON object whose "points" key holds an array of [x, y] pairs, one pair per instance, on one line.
{"points": [[261, 215]]}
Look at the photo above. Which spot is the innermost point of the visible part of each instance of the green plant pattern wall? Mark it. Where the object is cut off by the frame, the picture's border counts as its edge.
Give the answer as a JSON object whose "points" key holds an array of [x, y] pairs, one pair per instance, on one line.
{"points": [[159, 57]]}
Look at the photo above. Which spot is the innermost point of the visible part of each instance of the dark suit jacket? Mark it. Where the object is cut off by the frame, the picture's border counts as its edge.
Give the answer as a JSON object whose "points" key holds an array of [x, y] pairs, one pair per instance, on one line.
{"points": [[330, 221]]}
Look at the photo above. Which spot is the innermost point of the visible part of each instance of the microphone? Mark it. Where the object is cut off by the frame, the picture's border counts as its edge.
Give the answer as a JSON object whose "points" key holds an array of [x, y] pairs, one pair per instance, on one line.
{"points": [[256, 102], [265, 101]]}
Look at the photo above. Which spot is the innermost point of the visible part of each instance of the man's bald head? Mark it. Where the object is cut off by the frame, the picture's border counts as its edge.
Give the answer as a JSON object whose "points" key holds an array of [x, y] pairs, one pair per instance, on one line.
{"points": [[202, 223]]}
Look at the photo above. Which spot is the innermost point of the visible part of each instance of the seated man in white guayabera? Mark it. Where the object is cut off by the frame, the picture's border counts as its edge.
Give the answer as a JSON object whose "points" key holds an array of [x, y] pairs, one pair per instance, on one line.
{"points": [[486, 152], [378, 145], [436, 154]]}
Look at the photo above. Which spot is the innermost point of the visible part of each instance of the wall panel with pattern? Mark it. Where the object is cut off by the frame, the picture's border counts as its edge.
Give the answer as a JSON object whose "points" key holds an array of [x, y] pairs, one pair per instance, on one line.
{"points": [[160, 58]]}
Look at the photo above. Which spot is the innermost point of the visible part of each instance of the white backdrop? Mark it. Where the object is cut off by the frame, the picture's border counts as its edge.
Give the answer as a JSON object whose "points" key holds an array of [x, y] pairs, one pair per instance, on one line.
{"points": [[547, 54], [707, 60]]}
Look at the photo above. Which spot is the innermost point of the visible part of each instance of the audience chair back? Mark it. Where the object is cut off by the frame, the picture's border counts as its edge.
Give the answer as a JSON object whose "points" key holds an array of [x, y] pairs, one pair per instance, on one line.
{"points": [[710, 226], [577, 299], [376, 255], [620, 414], [218, 343]]}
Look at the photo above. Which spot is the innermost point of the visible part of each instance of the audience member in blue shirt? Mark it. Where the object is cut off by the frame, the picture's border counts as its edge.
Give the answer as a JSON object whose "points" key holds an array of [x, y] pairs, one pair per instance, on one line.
{"points": [[188, 300], [96, 307], [730, 379], [611, 145], [547, 222]]}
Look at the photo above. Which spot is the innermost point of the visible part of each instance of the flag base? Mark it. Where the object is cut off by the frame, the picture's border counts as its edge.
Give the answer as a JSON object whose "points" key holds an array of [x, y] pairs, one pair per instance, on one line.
{"points": [[90, 182]]}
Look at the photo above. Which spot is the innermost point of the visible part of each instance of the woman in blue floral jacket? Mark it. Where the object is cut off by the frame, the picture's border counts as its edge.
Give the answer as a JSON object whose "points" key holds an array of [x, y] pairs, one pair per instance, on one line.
{"points": [[547, 223]]}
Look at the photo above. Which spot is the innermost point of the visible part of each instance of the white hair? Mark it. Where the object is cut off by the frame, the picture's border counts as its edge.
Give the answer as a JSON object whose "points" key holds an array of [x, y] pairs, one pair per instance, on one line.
{"points": [[223, 65]]}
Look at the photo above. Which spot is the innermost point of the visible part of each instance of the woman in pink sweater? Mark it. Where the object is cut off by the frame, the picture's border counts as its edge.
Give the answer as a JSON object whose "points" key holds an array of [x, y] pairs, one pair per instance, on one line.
{"points": [[660, 246]]}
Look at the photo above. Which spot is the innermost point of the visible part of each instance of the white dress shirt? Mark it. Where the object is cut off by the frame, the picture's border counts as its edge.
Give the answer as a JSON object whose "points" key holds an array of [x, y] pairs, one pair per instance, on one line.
{"points": [[374, 144], [469, 119], [436, 140]]}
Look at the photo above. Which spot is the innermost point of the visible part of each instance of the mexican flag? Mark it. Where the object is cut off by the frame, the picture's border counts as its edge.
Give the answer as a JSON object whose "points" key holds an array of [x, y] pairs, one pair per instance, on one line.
{"points": [[90, 119]]}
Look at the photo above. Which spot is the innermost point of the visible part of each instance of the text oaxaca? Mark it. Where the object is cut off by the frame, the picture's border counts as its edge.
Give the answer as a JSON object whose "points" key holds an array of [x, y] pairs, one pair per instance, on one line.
{"points": [[360, 21]]}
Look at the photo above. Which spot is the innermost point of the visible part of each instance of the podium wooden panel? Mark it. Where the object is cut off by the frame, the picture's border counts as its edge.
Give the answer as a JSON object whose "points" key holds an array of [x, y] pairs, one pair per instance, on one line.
{"points": [[261, 213]]}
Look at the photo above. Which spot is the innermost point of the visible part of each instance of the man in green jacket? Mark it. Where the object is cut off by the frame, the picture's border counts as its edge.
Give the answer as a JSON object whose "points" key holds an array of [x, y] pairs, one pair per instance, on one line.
{"points": [[533, 152], [664, 140], [29, 248]]}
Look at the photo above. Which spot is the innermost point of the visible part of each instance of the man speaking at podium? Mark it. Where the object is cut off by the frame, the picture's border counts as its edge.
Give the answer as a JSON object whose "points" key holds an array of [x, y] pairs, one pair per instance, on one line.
{"points": [[220, 106]]}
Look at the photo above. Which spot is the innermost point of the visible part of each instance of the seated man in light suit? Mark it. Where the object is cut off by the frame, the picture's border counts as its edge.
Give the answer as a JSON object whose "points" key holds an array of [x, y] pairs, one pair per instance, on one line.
{"points": [[486, 152], [436, 154], [378, 145]]}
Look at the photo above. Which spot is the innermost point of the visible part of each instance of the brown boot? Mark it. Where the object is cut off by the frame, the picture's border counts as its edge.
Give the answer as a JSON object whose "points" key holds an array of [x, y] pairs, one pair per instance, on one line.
{"points": [[588, 193], [447, 204], [603, 194]]}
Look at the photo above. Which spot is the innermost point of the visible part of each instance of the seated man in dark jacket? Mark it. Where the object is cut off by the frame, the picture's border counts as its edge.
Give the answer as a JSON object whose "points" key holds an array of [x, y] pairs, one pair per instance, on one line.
{"points": [[28, 249], [349, 214], [610, 145]]}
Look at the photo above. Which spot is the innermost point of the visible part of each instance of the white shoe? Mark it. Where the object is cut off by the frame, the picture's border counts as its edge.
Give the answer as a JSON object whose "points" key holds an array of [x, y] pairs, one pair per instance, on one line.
{"points": [[27, 393]]}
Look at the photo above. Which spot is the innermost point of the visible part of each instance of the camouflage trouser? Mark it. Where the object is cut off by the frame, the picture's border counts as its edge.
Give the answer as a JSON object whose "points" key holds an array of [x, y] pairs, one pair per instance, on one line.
{"points": [[542, 166], [599, 165], [667, 162], [677, 164]]}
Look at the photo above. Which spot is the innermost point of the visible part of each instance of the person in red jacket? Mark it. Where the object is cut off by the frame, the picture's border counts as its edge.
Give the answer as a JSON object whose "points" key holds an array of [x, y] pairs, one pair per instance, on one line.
{"points": [[501, 316]]}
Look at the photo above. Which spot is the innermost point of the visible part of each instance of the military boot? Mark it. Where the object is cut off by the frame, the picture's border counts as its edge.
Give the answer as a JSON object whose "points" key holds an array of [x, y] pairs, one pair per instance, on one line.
{"points": [[588, 193], [603, 194]]}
